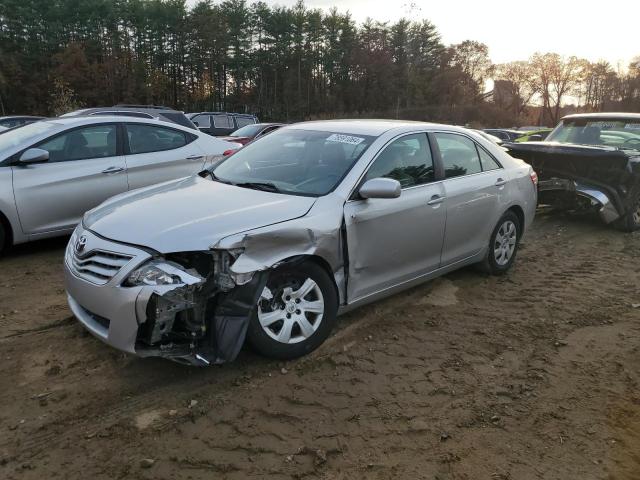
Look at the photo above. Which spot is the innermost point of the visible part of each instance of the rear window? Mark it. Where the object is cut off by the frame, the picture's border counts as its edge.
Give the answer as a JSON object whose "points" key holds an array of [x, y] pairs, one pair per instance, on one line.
{"points": [[247, 131], [179, 118], [619, 133]]}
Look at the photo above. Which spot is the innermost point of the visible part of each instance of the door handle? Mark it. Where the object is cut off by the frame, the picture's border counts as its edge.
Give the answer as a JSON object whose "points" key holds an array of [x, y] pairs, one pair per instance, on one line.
{"points": [[501, 182], [194, 157], [436, 200], [111, 170]]}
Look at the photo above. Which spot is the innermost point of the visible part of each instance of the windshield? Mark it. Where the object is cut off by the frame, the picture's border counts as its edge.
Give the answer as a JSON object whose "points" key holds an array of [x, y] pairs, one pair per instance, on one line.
{"points": [[248, 131], [16, 137], [299, 162], [623, 134]]}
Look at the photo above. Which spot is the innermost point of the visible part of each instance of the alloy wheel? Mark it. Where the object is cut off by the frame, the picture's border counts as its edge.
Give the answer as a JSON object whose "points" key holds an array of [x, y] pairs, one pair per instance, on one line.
{"points": [[291, 314], [505, 242]]}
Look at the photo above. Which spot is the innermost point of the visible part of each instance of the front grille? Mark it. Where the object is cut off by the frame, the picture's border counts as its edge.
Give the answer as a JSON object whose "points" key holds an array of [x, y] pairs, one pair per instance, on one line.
{"points": [[98, 266]]}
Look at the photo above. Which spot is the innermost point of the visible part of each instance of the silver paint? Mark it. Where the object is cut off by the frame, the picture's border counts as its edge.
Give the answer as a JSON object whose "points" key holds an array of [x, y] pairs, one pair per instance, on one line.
{"points": [[391, 243]]}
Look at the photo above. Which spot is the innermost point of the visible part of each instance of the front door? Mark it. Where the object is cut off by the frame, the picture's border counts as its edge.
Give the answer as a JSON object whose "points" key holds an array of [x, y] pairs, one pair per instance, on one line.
{"points": [[392, 241], [84, 169]]}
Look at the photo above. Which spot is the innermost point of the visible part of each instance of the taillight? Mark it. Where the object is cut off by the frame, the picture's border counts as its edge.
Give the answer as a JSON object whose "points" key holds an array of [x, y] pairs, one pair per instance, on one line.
{"points": [[534, 177], [227, 153]]}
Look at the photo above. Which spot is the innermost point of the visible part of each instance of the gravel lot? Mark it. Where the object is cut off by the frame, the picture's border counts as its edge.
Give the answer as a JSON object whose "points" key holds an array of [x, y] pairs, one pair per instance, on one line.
{"points": [[533, 375]]}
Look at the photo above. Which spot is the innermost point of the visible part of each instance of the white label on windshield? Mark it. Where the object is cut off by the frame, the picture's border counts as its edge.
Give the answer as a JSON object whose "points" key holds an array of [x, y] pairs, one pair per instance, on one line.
{"points": [[632, 126], [336, 137]]}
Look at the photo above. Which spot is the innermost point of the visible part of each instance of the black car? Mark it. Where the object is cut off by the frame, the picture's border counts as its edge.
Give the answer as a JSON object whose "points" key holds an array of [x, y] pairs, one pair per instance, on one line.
{"points": [[221, 123], [18, 120], [165, 114], [590, 161]]}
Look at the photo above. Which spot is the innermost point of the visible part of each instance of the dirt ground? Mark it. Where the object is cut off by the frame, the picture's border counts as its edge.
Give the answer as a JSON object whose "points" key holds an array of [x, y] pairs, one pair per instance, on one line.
{"points": [[534, 375]]}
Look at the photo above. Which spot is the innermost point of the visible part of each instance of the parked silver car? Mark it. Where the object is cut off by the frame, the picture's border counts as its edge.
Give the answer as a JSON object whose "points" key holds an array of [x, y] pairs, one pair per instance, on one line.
{"points": [[53, 171], [311, 221]]}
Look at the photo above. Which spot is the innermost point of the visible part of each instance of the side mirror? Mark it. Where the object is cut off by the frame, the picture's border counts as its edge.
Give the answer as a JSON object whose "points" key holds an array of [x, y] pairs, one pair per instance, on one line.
{"points": [[196, 123], [34, 155], [535, 138], [380, 188]]}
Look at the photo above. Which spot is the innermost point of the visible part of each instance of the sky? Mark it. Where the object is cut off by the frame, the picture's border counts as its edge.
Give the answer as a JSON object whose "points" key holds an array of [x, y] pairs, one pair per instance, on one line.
{"points": [[514, 30]]}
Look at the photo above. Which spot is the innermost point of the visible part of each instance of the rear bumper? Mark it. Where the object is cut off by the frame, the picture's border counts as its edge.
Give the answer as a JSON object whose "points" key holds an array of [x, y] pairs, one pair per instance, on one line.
{"points": [[598, 198]]}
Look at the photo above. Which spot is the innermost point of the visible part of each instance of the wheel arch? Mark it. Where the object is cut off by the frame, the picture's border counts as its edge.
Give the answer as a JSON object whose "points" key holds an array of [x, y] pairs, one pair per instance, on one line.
{"points": [[317, 259], [519, 212], [6, 224]]}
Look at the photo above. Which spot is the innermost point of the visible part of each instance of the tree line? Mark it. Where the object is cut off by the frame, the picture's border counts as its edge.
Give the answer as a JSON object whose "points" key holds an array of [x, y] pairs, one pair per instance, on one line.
{"points": [[282, 63]]}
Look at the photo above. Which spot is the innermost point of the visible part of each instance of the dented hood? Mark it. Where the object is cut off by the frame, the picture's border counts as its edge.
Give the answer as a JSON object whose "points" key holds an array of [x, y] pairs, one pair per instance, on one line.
{"points": [[190, 214]]}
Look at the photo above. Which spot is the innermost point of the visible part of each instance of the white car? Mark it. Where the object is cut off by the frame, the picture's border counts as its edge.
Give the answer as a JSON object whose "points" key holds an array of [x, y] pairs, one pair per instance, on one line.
{"points": [[53, 171]]}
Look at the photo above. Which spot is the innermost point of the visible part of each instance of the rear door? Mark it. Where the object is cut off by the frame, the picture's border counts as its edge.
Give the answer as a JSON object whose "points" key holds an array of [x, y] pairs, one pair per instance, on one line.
{"points": [[392, 241], [157, 153], [474, 188], [85, 168]]}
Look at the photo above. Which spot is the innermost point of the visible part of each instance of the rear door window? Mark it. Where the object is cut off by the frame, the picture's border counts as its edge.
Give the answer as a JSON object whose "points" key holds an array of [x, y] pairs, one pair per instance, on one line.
{"points": [[150, 138], [459, 155], [222, 121]]}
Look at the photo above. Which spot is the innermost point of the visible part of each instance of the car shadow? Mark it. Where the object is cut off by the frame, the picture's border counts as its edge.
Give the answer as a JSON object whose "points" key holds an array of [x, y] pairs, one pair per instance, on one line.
{"points": [[49, 245]]}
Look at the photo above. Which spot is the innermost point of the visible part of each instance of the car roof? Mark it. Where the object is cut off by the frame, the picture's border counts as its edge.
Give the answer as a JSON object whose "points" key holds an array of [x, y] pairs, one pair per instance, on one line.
{"points": [[371, 127], [127, 108], [604, 115], [35, 117], [78, 120]]}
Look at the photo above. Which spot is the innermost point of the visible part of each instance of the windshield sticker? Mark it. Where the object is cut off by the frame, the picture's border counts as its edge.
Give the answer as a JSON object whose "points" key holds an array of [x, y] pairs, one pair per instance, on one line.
{"points": [[348, 139], [632, 126], [605, 124]]}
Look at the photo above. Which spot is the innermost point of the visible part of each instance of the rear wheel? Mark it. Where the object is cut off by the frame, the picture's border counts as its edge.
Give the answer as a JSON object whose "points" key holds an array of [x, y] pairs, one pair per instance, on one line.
{"points": [[503, 245], [296, 312], [3, 238], [630, 222]]}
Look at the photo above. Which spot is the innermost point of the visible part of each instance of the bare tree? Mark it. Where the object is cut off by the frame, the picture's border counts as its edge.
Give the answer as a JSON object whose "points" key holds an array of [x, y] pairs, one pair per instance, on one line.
{"points": [[515, 81], [555, 78]]}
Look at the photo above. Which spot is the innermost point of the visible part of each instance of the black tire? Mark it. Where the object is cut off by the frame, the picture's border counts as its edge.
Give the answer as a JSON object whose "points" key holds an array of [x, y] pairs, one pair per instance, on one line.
{"points": [[294, 276], [630, 222], [493, 265], [4, 241]]}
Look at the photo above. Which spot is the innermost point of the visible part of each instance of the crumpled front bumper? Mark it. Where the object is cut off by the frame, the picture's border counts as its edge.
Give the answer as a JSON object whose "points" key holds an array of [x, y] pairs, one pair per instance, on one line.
{"points": [[109, 311]]}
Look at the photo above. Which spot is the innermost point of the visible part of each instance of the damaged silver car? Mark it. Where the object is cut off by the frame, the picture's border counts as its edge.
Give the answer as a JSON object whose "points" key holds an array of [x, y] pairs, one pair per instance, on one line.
{"points": [[275, 242]]}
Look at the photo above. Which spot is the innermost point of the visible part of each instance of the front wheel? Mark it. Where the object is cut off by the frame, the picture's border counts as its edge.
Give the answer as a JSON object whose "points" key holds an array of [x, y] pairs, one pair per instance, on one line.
{"points": [[503, 245], [296, 312]]}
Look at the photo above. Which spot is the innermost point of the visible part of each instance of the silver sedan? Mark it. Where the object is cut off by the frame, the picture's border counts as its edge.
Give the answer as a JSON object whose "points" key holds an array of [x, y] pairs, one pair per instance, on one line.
{"points": [[53, 171], [272, 244]]}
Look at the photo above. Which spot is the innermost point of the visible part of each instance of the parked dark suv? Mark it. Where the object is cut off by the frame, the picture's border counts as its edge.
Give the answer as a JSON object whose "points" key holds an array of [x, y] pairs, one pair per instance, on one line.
{"points": [[221, 123], [166, 114]]}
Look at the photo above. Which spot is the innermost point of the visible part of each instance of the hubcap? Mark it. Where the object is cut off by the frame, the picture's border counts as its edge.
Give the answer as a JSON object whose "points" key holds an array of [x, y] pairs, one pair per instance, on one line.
{"points": [[294, 315], [505, 242]]}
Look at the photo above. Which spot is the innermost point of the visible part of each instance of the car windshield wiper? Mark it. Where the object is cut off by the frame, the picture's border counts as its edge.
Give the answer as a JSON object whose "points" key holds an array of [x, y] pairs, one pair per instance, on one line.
{"points": [[214, 177], [266, 186]]}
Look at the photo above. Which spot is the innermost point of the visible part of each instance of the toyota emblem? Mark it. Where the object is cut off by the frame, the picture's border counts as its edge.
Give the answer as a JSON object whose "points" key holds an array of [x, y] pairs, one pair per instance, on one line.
{"points": [[80, 244]]}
